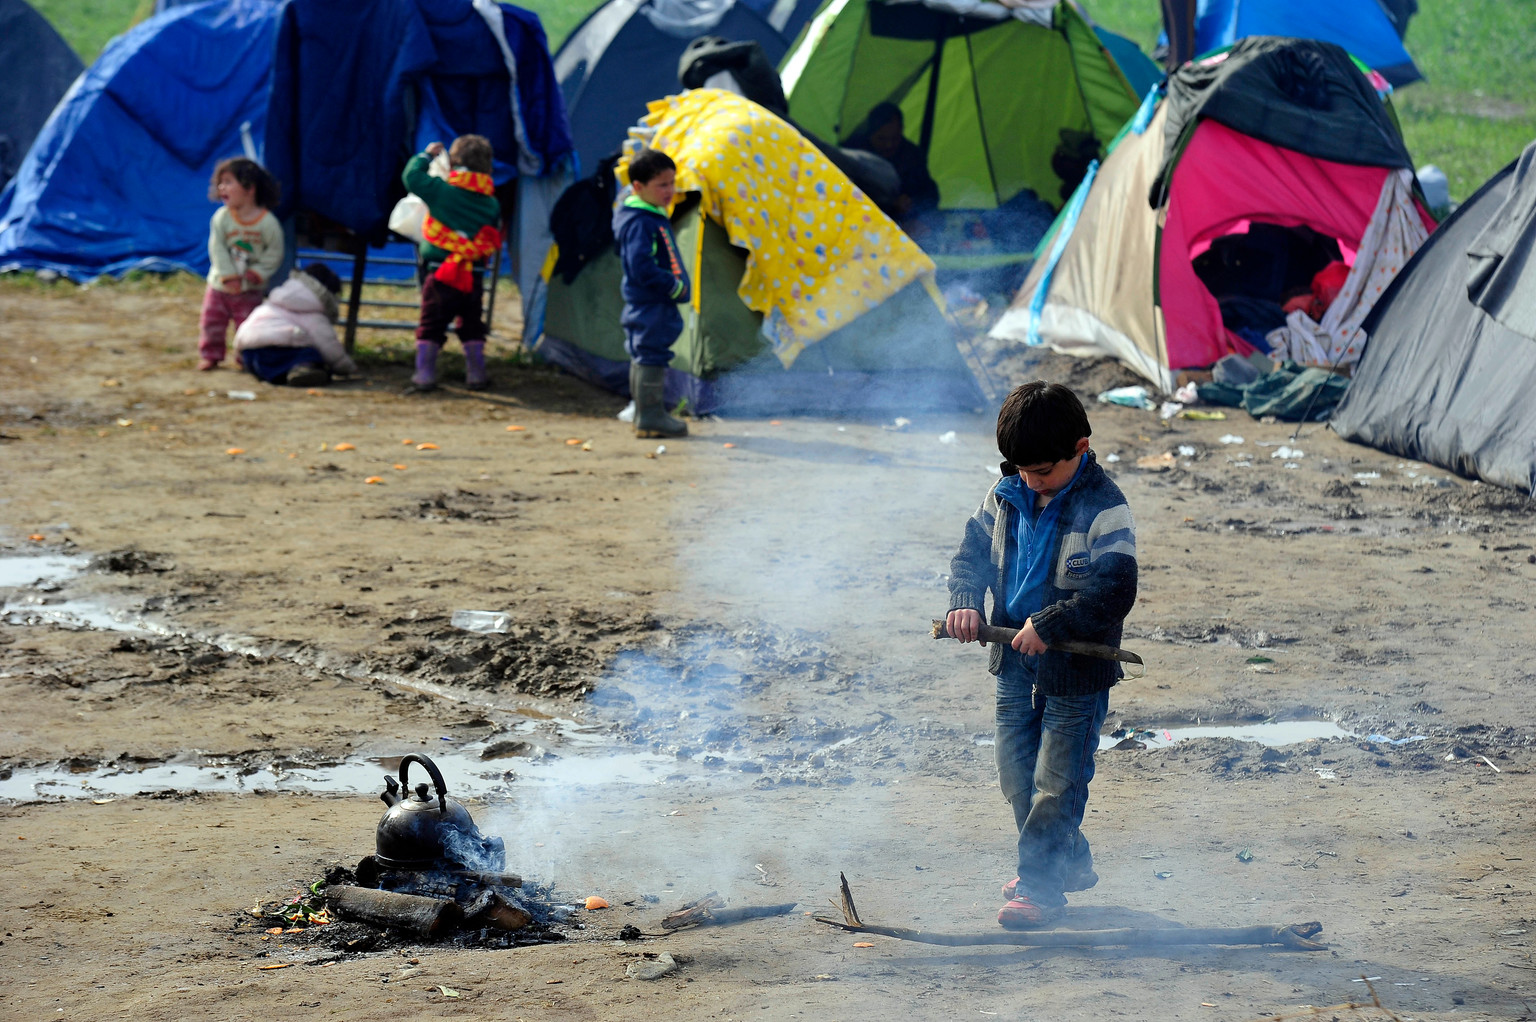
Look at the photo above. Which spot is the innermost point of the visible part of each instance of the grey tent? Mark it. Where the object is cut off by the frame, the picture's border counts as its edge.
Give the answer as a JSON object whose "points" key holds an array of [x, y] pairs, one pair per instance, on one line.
{"points": [[1450, 366], [39, 67]]}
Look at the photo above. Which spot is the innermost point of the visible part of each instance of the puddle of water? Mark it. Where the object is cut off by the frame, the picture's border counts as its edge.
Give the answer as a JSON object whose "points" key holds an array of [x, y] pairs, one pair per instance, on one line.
{"points": [[76, 613], [467, 775], [29, 569], [1273, 734]]}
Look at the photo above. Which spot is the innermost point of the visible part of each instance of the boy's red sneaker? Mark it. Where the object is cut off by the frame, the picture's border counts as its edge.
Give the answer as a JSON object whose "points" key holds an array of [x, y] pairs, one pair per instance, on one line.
{"points": [[1022, 914]]}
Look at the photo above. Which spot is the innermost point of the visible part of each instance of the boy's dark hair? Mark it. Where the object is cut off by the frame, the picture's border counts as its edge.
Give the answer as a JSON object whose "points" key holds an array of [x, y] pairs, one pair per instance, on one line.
{"points": [[250, 174], [1041, 423], [472, 152], [325, 275], [648, 164]]}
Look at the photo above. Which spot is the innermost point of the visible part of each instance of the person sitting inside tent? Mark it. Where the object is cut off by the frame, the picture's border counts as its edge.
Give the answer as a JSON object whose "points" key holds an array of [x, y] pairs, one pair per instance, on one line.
{"points": [[290, 338], [882, 134], [459, 234]]}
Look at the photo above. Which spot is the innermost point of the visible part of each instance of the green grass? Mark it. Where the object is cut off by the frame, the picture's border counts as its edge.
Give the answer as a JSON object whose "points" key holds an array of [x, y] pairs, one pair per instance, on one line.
{"points": [[560, 17], [1475, 109], [87, 25], [1473, 113]]}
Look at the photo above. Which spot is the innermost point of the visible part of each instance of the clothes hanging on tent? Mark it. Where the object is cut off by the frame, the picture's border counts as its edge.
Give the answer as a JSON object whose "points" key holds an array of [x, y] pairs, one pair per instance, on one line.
{"points": [[820, 253], [1395, 232], [744, 61], [582, 221]]}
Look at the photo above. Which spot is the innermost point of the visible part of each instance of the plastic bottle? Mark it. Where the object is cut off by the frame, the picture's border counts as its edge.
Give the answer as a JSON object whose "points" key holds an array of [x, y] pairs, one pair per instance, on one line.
{"points": [[482, 620]]}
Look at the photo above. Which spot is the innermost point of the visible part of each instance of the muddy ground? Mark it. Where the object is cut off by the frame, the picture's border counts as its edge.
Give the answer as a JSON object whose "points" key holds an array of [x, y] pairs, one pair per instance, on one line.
{"points": [[718, 678]]}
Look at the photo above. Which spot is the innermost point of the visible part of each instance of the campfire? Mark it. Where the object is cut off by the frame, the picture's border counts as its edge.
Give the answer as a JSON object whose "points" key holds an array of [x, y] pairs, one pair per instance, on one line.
{"points": [[432, 876]]}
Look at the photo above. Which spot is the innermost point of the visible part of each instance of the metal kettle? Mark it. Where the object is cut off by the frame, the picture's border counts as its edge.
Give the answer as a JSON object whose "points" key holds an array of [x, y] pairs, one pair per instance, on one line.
{"points": [[421, 830]]}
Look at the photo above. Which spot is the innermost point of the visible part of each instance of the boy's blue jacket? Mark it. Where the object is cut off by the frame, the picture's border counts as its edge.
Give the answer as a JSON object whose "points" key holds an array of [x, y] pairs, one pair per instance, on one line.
{"points": [[1090, 584], [655, 280]]}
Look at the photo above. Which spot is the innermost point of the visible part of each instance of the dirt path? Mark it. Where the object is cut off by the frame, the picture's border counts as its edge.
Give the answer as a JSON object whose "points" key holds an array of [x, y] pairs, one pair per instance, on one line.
{"points": [[719, 663]]}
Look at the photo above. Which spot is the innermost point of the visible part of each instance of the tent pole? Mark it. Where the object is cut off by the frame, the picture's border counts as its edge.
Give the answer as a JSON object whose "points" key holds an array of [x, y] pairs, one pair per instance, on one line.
{"points": [[490, 304], [355, 298], [925, 137]]}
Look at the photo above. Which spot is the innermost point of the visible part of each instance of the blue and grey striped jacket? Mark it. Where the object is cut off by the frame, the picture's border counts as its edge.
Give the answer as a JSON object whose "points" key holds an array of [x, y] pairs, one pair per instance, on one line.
{"points": [[1091, 590]]}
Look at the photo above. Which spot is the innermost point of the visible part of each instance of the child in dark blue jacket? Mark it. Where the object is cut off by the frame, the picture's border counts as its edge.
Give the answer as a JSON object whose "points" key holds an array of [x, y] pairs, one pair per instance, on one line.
{"points": [[1055, 544], [655, 283]]}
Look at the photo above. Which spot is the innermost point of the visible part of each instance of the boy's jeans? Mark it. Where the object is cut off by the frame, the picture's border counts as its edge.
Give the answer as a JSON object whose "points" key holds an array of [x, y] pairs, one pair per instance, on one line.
{"points": [[1045, 748]]}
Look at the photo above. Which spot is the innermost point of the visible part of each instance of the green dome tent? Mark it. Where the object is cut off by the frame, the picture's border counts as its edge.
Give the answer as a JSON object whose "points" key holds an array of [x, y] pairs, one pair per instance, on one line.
{"points": [[993, 95]]}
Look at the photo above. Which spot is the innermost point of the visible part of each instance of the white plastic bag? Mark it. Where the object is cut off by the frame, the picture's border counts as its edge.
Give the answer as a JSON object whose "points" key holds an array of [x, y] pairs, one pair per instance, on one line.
{"points": [[410, 212]]}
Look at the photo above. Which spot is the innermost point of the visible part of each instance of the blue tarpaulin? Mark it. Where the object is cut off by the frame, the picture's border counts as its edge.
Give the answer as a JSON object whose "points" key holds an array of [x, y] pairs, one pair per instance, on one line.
{"points": [[340, 91]]}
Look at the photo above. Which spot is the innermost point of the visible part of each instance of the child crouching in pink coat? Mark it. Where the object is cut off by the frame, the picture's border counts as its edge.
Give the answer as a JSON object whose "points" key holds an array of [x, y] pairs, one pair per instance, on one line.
{"points": [[290, 338]]}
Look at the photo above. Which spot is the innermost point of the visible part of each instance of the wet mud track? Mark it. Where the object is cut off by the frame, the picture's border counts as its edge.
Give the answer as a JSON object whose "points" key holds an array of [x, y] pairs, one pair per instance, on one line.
{"points": [[718, 678]]}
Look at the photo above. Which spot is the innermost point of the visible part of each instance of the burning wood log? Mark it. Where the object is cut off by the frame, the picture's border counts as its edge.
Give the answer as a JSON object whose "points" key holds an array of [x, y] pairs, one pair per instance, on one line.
{"points": [[491, 909], [711, 911], [426, 917], [1294, 937]]}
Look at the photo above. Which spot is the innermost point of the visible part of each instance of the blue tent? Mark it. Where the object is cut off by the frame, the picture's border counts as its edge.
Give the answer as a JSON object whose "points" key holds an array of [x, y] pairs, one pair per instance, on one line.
{"points": [[118, 178], [340, 91], [626, 53], [787, 17], [1362, 27], [39, 67]]}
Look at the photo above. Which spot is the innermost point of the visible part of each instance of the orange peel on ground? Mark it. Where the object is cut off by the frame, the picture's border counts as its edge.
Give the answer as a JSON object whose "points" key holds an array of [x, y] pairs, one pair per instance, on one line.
{"points": [[573, 441], [37, 537], [373, 479], [399, 468], [863, 943], [345, 447], [594, 903], [234, 450], [427, 447], [407, 440], [728, 445], [516, 429]]}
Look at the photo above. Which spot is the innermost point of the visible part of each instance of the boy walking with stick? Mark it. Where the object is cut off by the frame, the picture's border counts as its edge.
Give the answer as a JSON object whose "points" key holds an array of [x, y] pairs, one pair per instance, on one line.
{"points": [[1055, 544]]}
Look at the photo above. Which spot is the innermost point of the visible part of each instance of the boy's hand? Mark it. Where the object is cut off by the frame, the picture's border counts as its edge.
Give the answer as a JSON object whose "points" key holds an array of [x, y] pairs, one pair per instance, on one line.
{"points": [[964, 625], [253, 278], [1027, 641], [230, 284], [434, 148]]}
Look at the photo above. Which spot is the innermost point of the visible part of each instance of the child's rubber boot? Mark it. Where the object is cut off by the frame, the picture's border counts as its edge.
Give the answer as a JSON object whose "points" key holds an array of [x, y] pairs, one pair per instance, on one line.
{"points": [[648, 385], [475, 377], [425, 376]]}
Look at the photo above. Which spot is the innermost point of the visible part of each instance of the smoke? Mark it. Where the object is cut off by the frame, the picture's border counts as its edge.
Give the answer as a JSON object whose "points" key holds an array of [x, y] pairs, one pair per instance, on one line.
{"points": [[808, 568]]}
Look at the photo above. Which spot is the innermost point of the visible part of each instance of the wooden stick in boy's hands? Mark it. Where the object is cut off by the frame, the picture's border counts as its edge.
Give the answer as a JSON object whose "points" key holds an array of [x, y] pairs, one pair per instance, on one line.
{"points": [[992, 633]]}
